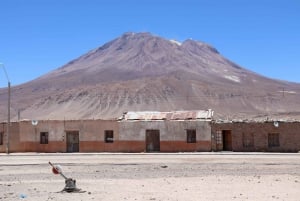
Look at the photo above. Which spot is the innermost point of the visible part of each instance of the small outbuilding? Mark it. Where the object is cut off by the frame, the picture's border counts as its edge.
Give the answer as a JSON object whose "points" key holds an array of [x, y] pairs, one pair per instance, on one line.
{"points": [[256, 136], [178, 131]]}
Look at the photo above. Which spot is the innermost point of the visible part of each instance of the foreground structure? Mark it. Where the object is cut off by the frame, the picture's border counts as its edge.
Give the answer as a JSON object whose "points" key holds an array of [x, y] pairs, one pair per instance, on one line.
{"points": [[179, 131]]}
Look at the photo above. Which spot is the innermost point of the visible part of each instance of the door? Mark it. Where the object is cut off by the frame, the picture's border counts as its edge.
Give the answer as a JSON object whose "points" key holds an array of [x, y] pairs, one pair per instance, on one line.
{"points": [[152, 141], [227, 140], [72, 141]]}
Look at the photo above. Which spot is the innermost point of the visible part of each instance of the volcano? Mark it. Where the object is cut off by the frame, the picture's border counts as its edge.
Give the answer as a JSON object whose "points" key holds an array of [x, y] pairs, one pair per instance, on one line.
{"points": [[142, 72]]}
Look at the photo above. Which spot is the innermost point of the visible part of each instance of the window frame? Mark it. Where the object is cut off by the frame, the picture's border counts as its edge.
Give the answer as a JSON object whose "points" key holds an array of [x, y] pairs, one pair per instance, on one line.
{"points": [[44, 140], [1, 138], [109, 136], [191, 136]]}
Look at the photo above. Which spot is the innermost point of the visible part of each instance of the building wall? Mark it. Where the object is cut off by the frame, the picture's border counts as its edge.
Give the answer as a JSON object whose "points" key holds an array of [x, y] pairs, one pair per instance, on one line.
{"points": [[91, 135], [289, 136], [3, 133], [172, 135], [13, 136], [29, 136], [130, 136]]}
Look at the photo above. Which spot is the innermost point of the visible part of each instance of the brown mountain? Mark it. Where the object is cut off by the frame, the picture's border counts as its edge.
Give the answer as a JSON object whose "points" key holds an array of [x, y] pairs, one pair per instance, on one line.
{"points": [[140, 71]]}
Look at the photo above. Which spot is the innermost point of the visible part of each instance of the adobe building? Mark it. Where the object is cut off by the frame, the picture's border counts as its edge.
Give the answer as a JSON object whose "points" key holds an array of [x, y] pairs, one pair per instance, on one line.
{"points": [[60, 136], [133, 132], [256, 136], [179, 131]]}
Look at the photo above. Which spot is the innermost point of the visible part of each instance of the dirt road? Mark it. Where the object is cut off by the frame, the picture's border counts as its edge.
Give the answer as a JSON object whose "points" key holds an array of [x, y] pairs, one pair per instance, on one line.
{"points": [[182, 176]]}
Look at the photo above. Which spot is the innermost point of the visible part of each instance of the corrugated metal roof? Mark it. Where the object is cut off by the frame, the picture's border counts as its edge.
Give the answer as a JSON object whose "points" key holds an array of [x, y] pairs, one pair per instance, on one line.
{"points": [[174, 115], [220, 121]]}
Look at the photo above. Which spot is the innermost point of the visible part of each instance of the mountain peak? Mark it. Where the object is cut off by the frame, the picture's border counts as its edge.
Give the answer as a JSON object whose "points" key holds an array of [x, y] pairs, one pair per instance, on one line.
{"points": [[141, 71], [143, 54], [136, 34]]}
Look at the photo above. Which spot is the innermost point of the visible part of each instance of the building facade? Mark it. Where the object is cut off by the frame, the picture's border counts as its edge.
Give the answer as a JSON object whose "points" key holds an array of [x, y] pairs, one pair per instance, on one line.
{"points": [[179, 131], [133, 132], [59, 136], [263, 136]]}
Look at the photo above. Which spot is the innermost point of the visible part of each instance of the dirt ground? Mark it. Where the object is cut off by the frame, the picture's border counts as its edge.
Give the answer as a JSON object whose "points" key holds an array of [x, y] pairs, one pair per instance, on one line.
{"points": [[181, 176]]}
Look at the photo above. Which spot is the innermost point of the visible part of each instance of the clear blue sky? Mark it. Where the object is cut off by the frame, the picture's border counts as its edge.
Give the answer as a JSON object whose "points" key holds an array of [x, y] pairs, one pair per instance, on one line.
{"points": [[38, 36]]}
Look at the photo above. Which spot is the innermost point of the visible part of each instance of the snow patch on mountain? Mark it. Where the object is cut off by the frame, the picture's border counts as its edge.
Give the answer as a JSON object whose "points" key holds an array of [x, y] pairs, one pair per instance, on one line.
{"points": [[232, 78], [176, 42]]}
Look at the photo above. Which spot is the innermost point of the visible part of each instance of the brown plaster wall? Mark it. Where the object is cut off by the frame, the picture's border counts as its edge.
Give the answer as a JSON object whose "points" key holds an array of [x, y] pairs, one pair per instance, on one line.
{"points": [[25, 137], [172, 134], [119, 146], [182, 146], [289, 136], [13, 137], [92, 130], [44, 148], [97, 146], [169, 130]]}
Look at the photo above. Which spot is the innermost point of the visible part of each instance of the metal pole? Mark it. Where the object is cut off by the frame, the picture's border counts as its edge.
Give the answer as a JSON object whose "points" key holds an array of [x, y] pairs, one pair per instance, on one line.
{"points": [[8, 109], [8, 119]]}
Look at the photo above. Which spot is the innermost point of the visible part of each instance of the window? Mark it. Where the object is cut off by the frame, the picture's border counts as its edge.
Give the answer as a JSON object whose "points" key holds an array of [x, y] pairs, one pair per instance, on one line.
{"points": [[190, 136], [44, 137], [248, 140], [1, 138], [273, 140], [109, 136]]}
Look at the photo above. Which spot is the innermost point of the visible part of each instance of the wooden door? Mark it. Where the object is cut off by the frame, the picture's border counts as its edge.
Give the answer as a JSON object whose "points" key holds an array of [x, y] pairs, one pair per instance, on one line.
{"points": [[72, 141], [152, 141], [227, 140]]}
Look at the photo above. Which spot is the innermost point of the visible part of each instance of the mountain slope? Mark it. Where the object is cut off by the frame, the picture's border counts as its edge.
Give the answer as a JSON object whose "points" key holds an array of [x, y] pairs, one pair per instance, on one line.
{"points": [[139, 71]]}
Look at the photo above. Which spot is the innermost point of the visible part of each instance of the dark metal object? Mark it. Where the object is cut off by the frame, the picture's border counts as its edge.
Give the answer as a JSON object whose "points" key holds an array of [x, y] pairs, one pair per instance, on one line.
{"points": [[70, 185]]}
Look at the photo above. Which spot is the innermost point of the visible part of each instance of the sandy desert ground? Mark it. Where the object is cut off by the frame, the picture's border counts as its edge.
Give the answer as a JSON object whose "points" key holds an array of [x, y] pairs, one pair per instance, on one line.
{"points": [[181, 176]]}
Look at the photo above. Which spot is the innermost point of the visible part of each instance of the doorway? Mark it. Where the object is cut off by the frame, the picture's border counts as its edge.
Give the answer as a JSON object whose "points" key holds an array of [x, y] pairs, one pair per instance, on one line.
{"points": [[227, 140], [152, 141], [72, 141]]}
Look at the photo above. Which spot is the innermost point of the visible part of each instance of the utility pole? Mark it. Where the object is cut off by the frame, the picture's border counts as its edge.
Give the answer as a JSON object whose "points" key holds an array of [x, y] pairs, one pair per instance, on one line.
{"points": [[8, 110], [8, 119]]}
